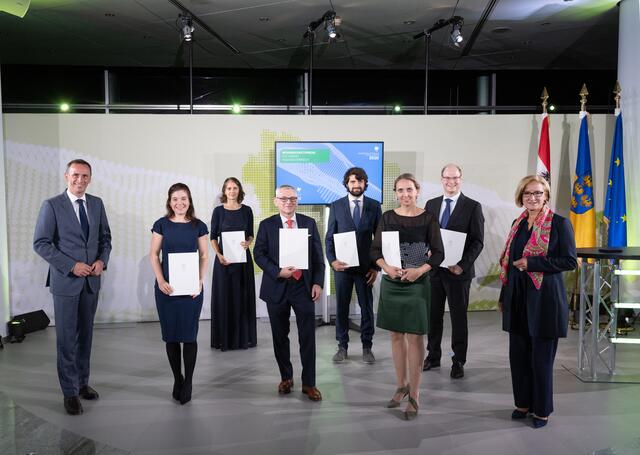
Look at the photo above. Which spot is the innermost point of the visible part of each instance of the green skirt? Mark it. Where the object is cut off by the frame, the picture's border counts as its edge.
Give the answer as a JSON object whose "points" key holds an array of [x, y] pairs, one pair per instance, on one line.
{"points": [[404, 306]]}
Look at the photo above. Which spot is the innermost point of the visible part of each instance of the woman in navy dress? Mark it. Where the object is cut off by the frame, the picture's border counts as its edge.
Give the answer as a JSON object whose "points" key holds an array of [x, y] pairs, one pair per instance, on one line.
{"points": [[179, 231], [233, 295]]}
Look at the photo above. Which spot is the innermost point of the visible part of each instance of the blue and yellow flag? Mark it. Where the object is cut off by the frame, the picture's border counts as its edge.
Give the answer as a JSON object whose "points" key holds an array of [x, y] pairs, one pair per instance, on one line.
{"points": [[615, 206], [583, 213]]}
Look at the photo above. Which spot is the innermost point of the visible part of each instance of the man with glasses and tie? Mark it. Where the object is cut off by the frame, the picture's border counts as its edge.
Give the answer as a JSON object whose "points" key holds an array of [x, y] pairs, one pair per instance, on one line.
{"points": [[286, 288], [72, 234], [354, 212], [456, 212]]}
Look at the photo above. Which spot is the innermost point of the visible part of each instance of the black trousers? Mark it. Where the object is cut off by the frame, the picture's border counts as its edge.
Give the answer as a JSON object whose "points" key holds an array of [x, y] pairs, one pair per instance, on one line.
{"points": [[457, 294], [298, 298], [531, 360]]}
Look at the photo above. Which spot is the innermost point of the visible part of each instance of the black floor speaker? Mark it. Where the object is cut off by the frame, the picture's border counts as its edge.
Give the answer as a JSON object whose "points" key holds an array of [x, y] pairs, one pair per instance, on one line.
{"points": [[33, 321]]}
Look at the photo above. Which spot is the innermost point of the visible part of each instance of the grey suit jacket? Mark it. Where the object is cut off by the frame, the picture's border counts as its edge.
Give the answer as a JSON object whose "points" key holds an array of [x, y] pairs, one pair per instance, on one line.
{"points": [[58, 238]]}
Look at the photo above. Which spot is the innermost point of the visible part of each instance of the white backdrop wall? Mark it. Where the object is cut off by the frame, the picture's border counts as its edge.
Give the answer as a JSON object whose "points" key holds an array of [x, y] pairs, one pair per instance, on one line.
{"points": [[135, 159]]}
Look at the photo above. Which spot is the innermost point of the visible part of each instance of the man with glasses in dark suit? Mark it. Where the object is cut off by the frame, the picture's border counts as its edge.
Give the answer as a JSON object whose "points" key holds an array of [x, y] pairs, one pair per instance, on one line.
{"points": [[286, 288], [456, 212]]}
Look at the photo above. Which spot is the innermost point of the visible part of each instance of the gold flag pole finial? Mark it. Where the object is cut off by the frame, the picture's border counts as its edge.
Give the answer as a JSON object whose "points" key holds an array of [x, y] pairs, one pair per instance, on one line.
{"points": [[583, 97], [544, 97], [617, 90]]}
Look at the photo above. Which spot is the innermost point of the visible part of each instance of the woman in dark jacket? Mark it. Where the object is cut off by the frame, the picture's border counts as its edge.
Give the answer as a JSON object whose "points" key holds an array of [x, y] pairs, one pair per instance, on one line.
{"points": [[540, 246]]}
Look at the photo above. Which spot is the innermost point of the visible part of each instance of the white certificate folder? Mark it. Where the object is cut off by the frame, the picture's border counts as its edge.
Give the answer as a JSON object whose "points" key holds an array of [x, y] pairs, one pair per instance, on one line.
{"points": [[184, 273], [294, 248], [391, 248], [346, 248], [232, 250], [453, 243]]}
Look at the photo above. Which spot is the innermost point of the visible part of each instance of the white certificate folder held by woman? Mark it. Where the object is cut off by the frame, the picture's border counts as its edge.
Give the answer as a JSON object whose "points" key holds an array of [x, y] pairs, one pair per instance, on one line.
{"points": [[231, 248], [184, 273], [391, 248]]}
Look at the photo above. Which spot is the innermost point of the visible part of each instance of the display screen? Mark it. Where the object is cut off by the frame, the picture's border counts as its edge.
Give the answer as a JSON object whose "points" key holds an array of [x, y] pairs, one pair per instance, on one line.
{"points": [[316, 169]]}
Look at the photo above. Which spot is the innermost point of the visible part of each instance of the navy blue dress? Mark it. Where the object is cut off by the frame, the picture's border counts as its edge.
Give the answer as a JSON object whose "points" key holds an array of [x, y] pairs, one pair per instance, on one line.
{"points": [[179, 315], [233, 292]]}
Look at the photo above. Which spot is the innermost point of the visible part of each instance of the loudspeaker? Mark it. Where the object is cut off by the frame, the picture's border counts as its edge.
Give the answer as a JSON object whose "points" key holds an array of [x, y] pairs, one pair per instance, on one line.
{"points": [[32, 322]]}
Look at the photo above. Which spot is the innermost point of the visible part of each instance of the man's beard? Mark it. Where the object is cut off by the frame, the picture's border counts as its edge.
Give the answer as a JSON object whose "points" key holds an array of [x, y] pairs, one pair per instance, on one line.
{"points": [[356, 192]]}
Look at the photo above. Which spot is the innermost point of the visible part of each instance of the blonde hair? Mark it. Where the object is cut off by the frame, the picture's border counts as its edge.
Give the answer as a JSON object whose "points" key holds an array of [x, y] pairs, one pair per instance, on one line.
{"points": [[531, 179]]}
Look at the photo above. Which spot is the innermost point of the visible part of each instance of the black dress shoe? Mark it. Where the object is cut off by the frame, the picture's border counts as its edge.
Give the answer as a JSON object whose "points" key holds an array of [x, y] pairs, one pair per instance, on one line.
{"points": [[457, 370], [88, 393], [430, 364], [177, 388], [72, 405]]}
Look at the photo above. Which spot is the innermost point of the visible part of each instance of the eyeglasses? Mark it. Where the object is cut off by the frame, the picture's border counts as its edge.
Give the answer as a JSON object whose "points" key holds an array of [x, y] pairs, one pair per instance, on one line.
{"points": [[284, 200], [535, 194], [452, 179]]}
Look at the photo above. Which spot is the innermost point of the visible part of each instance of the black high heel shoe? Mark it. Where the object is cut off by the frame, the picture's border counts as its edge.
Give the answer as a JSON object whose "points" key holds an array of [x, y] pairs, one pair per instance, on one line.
{"points": [[177, 388], [185, 393]]}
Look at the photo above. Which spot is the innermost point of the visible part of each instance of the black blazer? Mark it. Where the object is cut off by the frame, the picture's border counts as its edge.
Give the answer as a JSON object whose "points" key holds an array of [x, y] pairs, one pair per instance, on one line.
{"points": [[266, 255], [341, 220], [547, 309], [466, 217]]}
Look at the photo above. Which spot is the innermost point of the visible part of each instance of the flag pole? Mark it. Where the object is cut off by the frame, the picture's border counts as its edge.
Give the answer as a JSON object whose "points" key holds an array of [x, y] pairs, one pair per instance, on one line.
{"points": [[544, 97], [583, 98]]}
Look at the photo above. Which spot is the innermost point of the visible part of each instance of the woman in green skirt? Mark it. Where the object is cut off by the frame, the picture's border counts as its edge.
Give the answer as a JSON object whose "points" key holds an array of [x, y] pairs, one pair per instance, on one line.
{"points": [[403, 307]]}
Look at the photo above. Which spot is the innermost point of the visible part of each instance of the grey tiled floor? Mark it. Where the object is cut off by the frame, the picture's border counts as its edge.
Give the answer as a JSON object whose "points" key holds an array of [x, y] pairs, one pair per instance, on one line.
{"points": [[236, 408]]}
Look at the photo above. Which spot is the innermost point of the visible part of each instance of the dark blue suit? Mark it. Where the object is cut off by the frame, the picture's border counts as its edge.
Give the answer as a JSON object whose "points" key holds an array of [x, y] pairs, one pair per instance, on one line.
{"points": [[536, 318], [59, 239], [281, 295], [466, 217], [341, 220]]}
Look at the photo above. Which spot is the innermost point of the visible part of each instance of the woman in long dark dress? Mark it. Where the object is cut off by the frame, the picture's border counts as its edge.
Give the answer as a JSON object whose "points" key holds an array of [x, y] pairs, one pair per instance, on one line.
{"points": [[403, 306], [233, 296], [539, 248], [179, 231]]}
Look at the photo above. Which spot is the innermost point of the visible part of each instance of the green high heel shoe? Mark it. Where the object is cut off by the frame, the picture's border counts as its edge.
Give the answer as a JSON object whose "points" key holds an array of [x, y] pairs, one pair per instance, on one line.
{"points": [[400, 390], [410, 415]]}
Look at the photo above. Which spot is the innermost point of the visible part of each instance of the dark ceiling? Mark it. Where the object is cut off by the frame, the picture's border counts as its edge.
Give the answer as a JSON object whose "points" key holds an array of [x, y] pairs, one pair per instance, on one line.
{"points": [[375, 34]]}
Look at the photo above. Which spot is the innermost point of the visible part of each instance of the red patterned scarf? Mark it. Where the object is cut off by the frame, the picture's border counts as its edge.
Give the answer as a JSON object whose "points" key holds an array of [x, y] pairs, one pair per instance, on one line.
{"points": [[537, 245]]}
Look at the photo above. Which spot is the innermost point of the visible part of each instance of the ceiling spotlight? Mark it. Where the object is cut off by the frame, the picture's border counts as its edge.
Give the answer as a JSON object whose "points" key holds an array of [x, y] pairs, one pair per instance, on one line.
{"points": [[397, 108], [552, 107], [186, 27], [330, 27], [236, 108], [64, 107], [456, 34]]}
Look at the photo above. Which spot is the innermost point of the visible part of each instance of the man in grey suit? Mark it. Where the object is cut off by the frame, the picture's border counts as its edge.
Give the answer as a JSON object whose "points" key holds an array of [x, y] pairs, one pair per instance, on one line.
{"points": [[72, 234], [459, 213]]}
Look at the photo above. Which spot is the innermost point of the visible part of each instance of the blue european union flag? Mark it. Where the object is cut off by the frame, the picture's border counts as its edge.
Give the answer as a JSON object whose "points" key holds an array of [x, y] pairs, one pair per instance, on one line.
{"points": [[615, 206]]}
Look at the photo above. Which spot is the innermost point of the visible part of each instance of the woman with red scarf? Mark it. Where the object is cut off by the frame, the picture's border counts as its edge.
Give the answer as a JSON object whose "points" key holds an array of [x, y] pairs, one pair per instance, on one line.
{"points": [[540, 246]]}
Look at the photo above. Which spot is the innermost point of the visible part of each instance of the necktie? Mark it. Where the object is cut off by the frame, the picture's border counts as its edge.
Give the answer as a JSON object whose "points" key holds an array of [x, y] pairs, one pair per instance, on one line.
{"points": [[84, 221], [356, 212], [298, 273], [446, 214]]}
